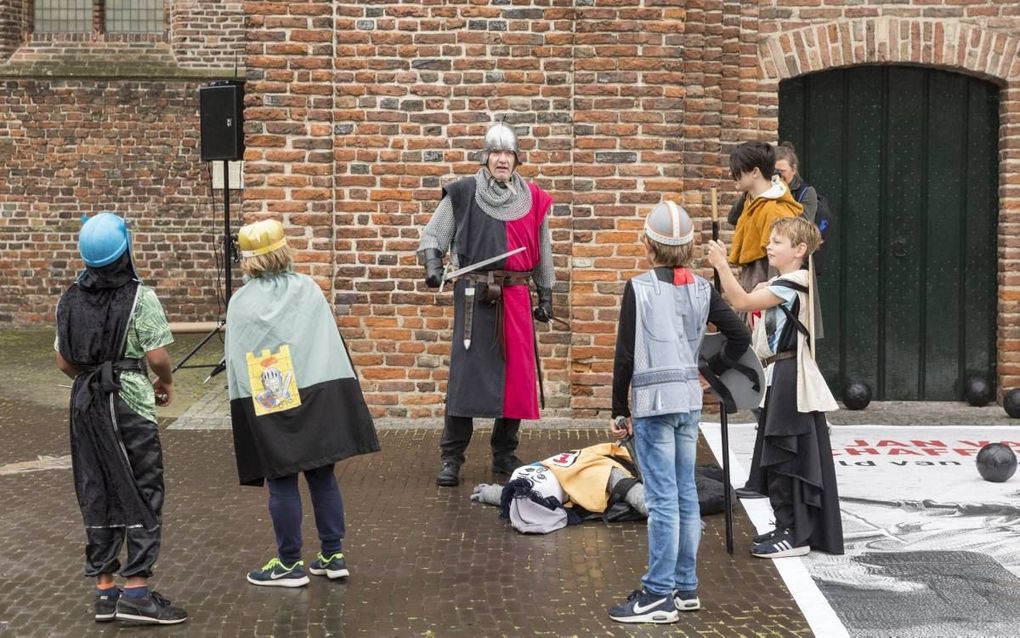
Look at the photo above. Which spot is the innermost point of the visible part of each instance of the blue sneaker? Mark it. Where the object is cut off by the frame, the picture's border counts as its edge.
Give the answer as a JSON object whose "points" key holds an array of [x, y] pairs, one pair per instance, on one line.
{"points": [[642, 607], [686, 600], [276, 574], [332, 567], [779, 545]]}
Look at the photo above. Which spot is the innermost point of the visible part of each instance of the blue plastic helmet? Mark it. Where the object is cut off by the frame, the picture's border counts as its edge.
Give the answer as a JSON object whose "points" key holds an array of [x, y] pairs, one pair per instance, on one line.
{"points": [[103, 239]]}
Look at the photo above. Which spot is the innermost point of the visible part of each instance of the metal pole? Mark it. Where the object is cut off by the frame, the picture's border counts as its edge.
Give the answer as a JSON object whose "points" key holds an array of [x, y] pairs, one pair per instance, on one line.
{"points": [[227, 252], [724, 425]]}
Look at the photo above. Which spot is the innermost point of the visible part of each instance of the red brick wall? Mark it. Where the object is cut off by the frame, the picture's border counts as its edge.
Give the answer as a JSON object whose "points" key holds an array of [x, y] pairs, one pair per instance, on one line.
{"points": [[129, 147], [594, 93], [92, 122]]}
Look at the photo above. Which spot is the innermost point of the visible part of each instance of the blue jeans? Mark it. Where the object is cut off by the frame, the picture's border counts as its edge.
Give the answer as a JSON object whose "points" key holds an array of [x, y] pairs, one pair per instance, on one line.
{"points": [[285, 510], [666, 446]]}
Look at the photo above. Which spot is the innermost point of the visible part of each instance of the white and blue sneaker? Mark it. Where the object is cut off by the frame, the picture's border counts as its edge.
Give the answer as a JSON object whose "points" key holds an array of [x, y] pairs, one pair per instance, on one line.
{"points": [[332, 567], [642, 607], [276, 574], [780, 545], [686, 600]]}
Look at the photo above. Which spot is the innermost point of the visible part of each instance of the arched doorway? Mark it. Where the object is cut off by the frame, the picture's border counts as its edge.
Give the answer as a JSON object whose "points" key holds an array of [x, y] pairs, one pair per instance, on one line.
{"points": [[908, 159]]}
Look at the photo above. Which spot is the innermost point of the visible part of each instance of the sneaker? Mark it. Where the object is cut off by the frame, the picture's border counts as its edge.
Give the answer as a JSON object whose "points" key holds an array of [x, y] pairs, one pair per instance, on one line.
{"points": [[642, 607], [767, 536], [276, 574], [106, 605], [449, 474], [744, 492], [151, 608], [333, 567], [506, 465], [686, 600], [779, 546]]}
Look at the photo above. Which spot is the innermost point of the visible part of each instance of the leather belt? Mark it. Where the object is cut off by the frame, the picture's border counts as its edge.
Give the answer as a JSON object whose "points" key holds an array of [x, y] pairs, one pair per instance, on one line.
{"points": [[501, 277], [779, 356]]}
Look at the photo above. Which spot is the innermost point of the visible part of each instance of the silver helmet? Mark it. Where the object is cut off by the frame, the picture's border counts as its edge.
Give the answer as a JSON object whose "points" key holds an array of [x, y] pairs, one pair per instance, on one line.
{"points": [[500, 137], [669, 224]]}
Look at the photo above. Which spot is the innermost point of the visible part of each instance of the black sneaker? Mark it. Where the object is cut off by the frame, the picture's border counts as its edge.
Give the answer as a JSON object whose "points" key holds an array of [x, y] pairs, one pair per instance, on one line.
{"points": [[642, 607], [334, 566], [780, 546], [449, 474], [767, 536], [276, 574], [686, 600], [745, 492], [106, 605], [151, 608], [506, 465]]}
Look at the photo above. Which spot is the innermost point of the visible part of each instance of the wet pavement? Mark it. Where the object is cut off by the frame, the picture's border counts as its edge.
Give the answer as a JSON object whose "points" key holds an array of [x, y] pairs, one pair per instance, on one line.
{"points": [[424, 561]]}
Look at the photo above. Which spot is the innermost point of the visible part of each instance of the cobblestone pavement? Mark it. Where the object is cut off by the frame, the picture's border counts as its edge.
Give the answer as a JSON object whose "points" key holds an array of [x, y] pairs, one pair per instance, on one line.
{"points": [[425, 561]]}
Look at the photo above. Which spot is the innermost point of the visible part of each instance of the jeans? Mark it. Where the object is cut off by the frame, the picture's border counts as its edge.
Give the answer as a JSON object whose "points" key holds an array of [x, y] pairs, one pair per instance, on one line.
{"points": [[285, 510], [666, 446]]}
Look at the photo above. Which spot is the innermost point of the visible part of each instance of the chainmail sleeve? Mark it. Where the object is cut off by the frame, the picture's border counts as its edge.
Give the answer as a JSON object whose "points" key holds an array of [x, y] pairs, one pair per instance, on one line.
{"points": [[438, 233], [544, 275]]}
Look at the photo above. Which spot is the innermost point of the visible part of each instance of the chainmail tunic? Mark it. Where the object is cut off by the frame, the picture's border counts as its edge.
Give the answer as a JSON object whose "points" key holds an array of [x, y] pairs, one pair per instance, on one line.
{"points": [[505, 202]]}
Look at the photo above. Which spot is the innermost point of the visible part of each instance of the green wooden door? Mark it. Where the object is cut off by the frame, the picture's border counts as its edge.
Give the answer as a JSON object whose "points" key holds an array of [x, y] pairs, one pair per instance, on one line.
{"points": [[907, 157]]}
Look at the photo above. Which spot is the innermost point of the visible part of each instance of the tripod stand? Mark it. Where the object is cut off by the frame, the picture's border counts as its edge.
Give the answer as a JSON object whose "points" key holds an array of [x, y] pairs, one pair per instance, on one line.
{"points": [[229, 255]]}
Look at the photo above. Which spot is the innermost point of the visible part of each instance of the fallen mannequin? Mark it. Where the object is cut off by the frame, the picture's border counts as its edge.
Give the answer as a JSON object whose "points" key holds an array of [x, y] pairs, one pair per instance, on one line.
{"points": [[596, 482]]}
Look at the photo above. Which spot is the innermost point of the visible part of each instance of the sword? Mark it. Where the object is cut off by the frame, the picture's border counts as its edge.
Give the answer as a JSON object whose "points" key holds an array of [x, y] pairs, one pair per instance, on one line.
{"points": [[478, 264]]}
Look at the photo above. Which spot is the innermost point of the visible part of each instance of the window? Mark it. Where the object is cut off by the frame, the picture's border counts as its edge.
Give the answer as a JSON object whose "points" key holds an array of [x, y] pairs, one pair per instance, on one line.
{"points": [[134, 16], [114, 16]]}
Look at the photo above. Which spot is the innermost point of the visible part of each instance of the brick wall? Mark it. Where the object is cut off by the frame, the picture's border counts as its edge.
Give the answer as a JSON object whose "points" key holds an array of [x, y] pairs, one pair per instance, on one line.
{"points": [[92, 122], [10, 27], [593, 94]]}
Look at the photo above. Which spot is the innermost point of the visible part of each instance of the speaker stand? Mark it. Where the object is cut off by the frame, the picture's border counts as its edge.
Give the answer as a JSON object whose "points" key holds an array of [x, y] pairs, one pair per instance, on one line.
{"points": [[228, 257]]}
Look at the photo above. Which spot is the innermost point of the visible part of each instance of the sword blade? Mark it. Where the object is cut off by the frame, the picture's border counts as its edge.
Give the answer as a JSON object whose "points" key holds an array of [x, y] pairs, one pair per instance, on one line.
{"points": [[478, 264]]}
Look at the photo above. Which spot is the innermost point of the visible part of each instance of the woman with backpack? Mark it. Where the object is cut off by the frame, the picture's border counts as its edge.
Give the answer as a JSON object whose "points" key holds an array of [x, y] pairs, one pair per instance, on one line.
{"points": [[804, 193]]}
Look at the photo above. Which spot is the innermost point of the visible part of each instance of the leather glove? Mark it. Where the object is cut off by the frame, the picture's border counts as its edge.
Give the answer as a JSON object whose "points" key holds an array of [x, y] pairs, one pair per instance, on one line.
{"points": [[433, 267], [543, 311]]}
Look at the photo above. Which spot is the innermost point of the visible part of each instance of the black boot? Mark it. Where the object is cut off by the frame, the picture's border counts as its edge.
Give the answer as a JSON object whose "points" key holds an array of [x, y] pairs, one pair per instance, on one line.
{"points": [[456, 436], [449, 474], [504, 445]]}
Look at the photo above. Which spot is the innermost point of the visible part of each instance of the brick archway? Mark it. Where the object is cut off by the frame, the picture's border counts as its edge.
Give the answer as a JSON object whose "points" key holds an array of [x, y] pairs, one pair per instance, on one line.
{"points": [[991, 55], [949, 45]]}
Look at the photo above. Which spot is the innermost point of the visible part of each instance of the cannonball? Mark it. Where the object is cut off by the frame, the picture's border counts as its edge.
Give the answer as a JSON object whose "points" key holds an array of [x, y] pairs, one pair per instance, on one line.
{"points": [[977, 391], [856, 395], [1011, 402], [996, 462]]}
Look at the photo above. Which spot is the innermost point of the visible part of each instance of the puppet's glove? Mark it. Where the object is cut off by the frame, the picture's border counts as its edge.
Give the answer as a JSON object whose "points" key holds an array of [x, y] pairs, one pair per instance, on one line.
{"points": [[486, 493]]}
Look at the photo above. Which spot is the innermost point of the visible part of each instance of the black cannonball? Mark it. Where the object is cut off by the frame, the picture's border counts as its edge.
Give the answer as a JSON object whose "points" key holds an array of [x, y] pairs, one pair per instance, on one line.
{"points": [[996, 462], [1011, 402], [856, 395], [977, 390]]}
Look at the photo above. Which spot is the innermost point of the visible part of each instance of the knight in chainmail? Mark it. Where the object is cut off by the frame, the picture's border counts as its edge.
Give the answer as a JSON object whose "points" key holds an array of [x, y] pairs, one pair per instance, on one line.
{"points": [[492, 361]]}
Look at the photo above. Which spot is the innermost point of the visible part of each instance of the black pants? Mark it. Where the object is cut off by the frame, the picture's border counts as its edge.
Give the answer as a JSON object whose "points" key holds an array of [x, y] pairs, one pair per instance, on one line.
{"points": [[457, 432], [103, 544]]}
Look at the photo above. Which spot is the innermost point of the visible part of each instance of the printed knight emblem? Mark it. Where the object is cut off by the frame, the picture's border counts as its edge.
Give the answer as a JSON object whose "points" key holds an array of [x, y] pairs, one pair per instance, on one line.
{"points": [[273, 386]]}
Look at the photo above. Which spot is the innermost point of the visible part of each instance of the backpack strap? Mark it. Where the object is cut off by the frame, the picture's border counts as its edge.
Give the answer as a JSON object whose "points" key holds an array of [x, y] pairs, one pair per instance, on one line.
{"points": [[785, 283]]}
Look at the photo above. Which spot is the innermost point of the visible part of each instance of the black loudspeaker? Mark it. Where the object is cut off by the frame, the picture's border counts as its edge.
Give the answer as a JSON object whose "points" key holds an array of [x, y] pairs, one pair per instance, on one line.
{"points": [[221, 110]]}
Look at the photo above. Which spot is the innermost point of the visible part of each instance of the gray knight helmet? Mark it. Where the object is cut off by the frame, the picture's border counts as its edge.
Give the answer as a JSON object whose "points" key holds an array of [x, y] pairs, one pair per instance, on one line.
{"points": [[669, 224], [500, 137]]}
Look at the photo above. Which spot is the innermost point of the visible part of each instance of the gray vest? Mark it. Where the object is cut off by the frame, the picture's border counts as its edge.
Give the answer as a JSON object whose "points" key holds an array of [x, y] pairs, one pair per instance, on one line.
{"points": [[669, 326]]}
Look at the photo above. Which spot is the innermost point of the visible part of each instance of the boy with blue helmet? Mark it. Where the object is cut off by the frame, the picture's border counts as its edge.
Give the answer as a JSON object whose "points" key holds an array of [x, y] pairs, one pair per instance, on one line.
{"points": [[109, 326]]}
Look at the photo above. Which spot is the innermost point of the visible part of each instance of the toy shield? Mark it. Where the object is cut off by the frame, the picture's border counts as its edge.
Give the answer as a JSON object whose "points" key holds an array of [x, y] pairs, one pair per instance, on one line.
{"points": [[745, 383]]}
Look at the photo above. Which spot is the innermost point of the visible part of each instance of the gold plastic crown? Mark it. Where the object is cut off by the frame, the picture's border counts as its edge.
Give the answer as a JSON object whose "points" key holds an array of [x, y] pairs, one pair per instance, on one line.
{"points": [[261, 237]]}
